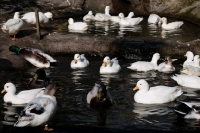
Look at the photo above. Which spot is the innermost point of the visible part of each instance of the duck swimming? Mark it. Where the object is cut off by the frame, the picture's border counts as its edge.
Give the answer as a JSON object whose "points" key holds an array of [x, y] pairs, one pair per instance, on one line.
{"points": [[21, 97], [155, 95], [39, 110], [110, 66], [103, 16], [99, 96], [79, 61], [35, 56], [13, 26], [89, 17], [166, 66], [188, 110], [172, 25], [144, 65], [79, 26], [39, 80]]}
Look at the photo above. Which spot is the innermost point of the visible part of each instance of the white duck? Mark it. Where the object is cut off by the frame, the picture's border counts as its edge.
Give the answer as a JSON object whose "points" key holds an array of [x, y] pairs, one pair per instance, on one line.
{"points": [[39, 110], [167, 65], [190, 70], [196, 61], [13, 26], [95, 93], [188, 110], [129, 21], [155, 95], [77, 26], [79, 61], [43, 17], [189, 60], [21, 97], [110, 66], [187, 81], [35, 56], [89, 17], [172, 25], [146, 66], [117, 19], [103, 16], [154, 19]]}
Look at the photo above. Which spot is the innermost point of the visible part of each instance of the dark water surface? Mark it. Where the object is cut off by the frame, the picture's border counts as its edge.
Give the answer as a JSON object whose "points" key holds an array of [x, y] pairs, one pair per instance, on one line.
{"points": [[74, 115]]}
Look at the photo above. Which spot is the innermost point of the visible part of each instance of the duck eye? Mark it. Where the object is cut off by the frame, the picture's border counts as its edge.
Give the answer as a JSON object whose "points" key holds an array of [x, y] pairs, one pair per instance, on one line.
{"points": [[6, 86]]}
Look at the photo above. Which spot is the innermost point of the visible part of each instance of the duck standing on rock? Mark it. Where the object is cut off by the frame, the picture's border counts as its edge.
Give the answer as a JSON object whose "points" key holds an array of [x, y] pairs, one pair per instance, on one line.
{"points": [[35, 56], [43, 18], [39, 110], [13, 26]]}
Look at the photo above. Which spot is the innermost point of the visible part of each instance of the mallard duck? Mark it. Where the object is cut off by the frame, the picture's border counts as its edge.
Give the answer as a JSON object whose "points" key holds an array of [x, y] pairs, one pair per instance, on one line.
{"points": [[166, 66], [156, 94], [39, 80], [189, 60], [188, 110], [187, 80], [110, 66], [103, 16], [146, 66], [13, 26], [20, 98], [35, 56], [43, 17], [170, 26], [129, 21], [116, 19], [79, 26], [99, 96], [89, 17], [154, 19], [79, 61], [39, 110]]}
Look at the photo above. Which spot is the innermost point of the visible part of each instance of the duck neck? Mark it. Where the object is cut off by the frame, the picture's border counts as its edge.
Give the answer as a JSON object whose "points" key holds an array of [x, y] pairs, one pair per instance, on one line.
{"points": [[16, 16], [107, 11]]}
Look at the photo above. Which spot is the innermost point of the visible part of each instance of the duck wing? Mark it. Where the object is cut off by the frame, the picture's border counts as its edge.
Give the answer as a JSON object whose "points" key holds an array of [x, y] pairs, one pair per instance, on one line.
{"points": [[28, 95]]}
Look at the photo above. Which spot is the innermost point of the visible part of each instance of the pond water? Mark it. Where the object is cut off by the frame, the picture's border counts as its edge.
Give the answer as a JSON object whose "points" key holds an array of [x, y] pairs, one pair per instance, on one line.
{"points": [[74, 115]]}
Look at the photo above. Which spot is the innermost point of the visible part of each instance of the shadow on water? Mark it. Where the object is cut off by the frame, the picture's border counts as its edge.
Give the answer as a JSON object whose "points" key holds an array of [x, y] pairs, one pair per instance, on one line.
{"points": [[74, 115]]}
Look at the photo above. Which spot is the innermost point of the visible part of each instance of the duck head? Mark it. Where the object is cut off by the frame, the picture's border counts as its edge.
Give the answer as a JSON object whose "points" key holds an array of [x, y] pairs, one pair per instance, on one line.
{"points": [[14, 48], [142, 85], [9, 88], [189, 55], [102, 92], [40, 74], [155, 58], [168, 60], [163, 20], [49, 15], [77, 57], [106, 61], [130, 15], [16, 15], [90, 13], [121, 15], [70, 21]]}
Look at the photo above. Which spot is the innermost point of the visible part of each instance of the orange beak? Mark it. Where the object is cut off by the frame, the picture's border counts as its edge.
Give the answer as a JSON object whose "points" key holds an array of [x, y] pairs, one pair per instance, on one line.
{"points": [[75, 61], [136, 88], [104, 63], [4, 90]]}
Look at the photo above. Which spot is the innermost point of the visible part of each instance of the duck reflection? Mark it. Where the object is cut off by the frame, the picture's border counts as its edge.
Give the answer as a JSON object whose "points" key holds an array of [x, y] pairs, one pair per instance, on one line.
{"points": [[125, 29], [77, 73], [101, 118], [10, 113], [169, 33]]}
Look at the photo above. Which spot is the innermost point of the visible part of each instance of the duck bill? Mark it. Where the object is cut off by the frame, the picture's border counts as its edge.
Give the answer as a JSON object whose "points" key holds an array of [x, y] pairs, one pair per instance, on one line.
{"points": [[99, 95], [136, 88], [119, 17], [185, 55], [75, 61], [4, 90], [36, 76], [104, 63]]}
